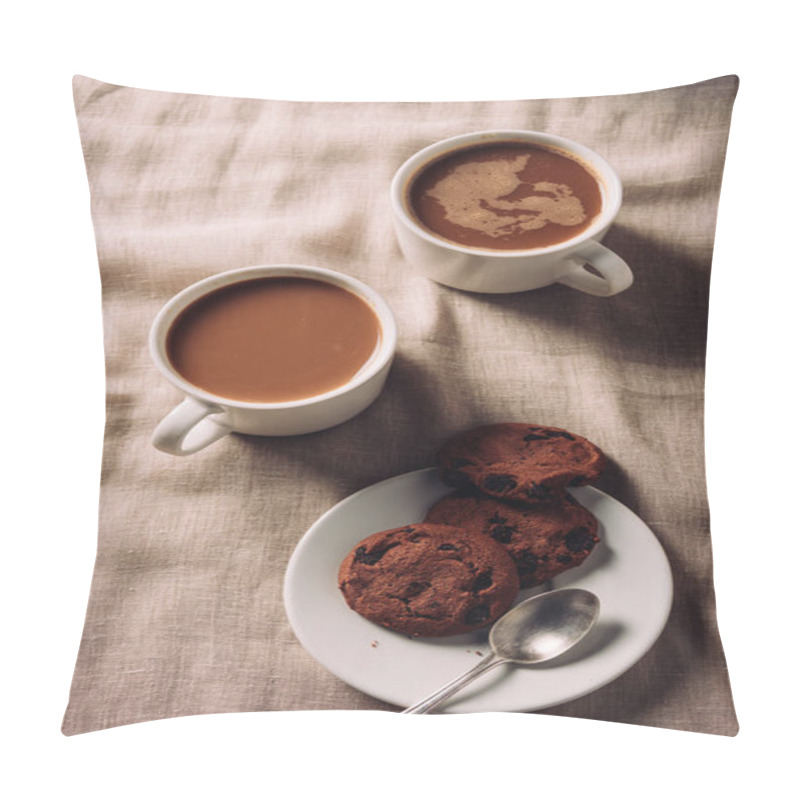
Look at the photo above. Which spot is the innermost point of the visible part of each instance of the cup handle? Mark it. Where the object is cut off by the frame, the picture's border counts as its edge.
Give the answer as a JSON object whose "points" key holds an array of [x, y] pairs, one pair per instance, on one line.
{"points": [[187, 428], [615, 275]]}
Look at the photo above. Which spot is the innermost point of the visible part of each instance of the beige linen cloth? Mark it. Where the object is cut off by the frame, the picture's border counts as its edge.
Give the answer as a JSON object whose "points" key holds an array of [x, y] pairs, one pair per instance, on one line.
{"points": [[185, 614]]}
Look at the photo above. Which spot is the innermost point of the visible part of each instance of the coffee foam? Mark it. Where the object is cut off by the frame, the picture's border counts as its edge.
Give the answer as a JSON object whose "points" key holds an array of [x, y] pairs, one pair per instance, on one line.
{"points": [[470, 196], [474, 196]]}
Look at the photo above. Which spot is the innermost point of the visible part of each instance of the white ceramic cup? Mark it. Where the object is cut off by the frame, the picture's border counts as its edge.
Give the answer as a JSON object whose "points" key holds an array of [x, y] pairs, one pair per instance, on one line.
{"points": [[202, 418], [498, 271]]}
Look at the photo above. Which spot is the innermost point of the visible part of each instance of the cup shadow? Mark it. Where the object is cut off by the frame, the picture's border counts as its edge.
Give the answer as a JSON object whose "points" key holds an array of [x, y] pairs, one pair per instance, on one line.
{"points": [[661, 318]]}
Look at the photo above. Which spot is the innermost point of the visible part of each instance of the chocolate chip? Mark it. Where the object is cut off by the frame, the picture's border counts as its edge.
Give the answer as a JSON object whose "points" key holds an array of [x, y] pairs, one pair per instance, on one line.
{"points": [[363, 557], [579, 540], [415, 588], [477, 615], [527, 563], [498, 483], [502, 533], [483, 581], [563, 558], [447, 546]]}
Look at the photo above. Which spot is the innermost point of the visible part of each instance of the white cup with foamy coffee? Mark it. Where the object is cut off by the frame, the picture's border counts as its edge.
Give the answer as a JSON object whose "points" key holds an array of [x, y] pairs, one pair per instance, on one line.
{"points": [[510, 211], [270, 351]]}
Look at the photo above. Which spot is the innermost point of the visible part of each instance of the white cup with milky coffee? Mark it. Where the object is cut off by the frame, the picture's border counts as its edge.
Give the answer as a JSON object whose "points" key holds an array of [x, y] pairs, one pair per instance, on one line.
{"points": [[270, 351], [509, 211]]}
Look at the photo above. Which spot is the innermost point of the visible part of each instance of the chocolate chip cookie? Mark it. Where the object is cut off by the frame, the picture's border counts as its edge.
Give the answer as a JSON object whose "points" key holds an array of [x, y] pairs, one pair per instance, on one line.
{"points": [[429, 580], [528, 464], [543, 540]]}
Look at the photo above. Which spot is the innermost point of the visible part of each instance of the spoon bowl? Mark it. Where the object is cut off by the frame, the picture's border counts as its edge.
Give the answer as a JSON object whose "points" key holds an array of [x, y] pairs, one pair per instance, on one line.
{"points": [[538, 629], [544, 626]]}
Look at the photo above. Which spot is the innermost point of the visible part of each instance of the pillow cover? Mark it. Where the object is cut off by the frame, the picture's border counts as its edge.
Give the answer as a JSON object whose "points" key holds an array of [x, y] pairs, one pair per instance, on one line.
{"points": [[186, 613]]}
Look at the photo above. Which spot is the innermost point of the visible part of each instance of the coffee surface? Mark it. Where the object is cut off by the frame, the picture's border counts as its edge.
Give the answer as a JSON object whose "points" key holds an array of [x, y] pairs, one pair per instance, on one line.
{"points": [[272, 340], [506, 196]]}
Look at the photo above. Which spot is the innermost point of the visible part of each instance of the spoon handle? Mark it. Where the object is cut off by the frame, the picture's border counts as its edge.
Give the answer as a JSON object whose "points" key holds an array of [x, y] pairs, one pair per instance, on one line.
{"points": [[449, 689]]}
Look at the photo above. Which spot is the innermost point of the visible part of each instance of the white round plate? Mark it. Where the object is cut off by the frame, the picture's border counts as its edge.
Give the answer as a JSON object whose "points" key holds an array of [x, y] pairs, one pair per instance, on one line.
{"points": [[628, 571]]}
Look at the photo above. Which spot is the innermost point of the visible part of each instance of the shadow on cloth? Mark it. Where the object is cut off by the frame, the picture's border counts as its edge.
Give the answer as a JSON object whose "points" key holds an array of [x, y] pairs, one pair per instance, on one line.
{"points": [[662, 317]]}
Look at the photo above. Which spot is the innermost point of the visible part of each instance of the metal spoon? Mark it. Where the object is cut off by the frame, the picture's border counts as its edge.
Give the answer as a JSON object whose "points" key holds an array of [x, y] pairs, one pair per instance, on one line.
{"points": [[538, 629]]}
